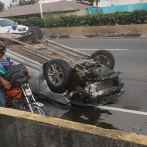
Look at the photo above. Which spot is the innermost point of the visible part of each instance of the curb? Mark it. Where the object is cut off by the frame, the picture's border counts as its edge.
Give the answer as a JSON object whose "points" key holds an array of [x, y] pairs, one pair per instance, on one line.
{"points": [[98, 36], [19, 128]]}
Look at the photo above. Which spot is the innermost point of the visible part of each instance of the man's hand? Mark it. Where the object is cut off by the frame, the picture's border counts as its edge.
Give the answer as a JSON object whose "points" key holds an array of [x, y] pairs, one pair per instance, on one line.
{"points": [[6, 84]]}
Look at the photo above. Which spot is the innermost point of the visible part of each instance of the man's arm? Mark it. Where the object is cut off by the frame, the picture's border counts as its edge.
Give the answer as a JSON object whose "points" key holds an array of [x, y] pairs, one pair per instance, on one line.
{"points": [[5, 83]]}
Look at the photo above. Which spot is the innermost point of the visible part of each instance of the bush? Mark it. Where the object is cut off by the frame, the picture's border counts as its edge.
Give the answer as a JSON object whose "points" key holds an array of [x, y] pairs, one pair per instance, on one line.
{"points": [[31, 21], [61, 20]]}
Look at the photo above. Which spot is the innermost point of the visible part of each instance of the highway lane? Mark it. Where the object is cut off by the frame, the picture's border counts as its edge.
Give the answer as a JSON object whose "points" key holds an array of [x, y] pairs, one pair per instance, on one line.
{"points": [[131, 59]]}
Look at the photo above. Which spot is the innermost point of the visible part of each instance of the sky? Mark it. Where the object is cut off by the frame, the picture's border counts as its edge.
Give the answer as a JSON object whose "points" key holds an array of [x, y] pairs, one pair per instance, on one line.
{"points": [[7, 2]]}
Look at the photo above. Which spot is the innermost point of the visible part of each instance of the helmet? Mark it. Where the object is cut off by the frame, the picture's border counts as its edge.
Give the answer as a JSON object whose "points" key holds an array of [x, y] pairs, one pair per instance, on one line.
{"points": [[2, 48], [14, 25]]}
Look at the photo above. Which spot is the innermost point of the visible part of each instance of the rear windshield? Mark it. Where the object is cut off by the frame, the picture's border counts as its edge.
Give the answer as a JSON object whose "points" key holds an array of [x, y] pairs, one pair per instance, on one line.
{"points": [[6, 22]]}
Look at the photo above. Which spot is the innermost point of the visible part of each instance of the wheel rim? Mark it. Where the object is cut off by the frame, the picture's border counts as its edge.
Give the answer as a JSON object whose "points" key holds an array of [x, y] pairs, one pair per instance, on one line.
{"points": [[38, 110], [55, 74], [103, 60]]}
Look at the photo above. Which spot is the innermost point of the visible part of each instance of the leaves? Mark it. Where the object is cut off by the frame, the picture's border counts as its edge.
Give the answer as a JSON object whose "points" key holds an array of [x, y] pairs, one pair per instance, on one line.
{"points": [[32, 21], [24, 2], [61, 20], [2, 6]]}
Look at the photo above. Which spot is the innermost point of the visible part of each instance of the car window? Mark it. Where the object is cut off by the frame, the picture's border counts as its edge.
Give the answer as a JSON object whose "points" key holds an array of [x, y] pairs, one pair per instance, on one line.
{"points": [[6, 22]]}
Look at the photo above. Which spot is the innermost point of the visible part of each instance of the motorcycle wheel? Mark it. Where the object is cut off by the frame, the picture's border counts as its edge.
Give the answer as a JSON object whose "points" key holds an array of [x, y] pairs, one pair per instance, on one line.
{"points": [[40, 110]]}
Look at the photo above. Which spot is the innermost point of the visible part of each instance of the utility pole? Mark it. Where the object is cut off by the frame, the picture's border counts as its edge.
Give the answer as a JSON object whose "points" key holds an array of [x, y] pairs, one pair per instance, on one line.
{"points": [[40, 8]]}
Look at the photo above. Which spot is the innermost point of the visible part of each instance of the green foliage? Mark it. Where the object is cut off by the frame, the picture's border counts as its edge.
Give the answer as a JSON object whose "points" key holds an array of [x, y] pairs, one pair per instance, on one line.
{"points": [[31, 21], [48, 19], [26, 2], [2, 6], [62, 20]]}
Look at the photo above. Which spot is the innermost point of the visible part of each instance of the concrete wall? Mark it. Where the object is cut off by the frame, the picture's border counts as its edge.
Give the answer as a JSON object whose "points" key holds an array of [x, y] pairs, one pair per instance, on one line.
{"points": [[120, 8], [106, 3], [79, 32], [23, 129]]}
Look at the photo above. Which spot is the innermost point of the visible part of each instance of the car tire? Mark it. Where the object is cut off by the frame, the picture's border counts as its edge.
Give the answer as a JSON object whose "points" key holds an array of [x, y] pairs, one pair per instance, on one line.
{"points": [[106, 55], [37, 31], [53, 70]]}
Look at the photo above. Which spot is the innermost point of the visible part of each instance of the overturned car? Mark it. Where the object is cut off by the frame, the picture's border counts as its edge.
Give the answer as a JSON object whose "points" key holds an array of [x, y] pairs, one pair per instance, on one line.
{"points": [[88, 81], [62, 74]]}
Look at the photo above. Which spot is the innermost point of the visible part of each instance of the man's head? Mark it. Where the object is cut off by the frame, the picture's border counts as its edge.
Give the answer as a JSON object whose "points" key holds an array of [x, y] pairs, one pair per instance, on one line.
{"points": [[14, 26], [2, 48]]}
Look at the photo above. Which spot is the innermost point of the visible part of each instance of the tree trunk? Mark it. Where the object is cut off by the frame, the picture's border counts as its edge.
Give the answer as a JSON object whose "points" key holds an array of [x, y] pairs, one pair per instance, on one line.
{"points": [[97, 6]]}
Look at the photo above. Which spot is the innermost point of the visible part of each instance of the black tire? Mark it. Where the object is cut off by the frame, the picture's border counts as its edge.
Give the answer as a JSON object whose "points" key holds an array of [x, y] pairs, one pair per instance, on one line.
{"points": [[65, 77], [106, 54], [37, 31], [42, 108]]}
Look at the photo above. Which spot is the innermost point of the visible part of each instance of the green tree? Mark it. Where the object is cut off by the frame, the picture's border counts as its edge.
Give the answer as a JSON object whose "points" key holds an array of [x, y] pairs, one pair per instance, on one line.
{"points": [[33, 1], [22, 2], [27, 2], [10, 5], [14, 2], [2, 6]]}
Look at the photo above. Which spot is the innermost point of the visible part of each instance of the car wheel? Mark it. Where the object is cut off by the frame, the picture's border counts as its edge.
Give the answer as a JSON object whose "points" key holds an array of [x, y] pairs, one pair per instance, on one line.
{"points": [[104, 57], [37, 31], [58, 75]]}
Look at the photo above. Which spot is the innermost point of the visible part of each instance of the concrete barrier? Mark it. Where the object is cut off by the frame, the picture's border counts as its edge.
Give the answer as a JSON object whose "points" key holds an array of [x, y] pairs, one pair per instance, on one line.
{"points": [[23, 129], [97, 31]]}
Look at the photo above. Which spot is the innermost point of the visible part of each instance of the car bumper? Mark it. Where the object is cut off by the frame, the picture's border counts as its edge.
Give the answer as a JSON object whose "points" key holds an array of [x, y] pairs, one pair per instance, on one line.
{"points": [[101, 97], [110, 95]]}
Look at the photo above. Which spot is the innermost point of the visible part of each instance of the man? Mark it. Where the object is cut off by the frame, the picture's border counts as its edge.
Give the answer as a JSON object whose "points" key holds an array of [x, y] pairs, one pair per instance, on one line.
{"points": [[5, 83], [13, 29]]}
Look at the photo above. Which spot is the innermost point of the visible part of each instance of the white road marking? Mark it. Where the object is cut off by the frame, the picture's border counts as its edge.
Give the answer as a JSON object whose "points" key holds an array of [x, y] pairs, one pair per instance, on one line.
{"points": [[122, 110], [81, 49]]}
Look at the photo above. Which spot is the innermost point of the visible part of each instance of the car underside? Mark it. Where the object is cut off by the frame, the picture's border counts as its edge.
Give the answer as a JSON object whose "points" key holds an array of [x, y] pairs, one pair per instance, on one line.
{"points": [[84, 82], [83, 79]]}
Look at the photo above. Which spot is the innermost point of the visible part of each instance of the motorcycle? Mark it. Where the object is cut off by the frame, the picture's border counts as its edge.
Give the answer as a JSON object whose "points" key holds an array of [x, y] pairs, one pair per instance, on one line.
{"points": [[21, 98], [20, 95]]}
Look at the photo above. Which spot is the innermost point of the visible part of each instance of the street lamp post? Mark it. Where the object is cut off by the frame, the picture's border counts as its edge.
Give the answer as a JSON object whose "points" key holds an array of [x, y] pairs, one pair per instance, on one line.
{"points": [[40, 8]]}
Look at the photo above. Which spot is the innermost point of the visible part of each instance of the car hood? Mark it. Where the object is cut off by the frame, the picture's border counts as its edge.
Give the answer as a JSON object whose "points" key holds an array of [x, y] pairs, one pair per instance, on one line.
{"points": [[6, 28], [18, 27], [3, 30]]}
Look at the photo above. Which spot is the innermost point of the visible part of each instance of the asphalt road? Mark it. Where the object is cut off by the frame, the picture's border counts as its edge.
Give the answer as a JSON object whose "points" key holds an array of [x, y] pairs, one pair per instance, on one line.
{"points": [[131, 59]]}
